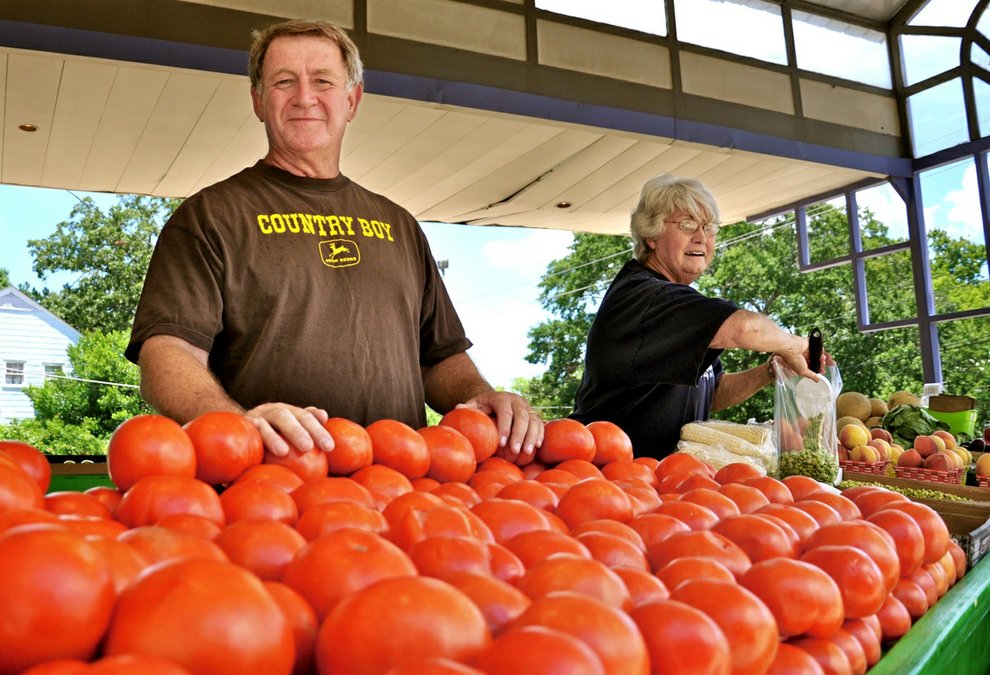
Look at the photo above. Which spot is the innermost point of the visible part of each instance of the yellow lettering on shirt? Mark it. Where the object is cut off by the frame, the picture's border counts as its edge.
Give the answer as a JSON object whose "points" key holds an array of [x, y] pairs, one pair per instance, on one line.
{"points": [[323, 225]]}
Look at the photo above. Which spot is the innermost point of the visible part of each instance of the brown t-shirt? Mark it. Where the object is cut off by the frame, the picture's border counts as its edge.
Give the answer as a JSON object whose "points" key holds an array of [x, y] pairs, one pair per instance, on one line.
{"points": [[303, 291]]}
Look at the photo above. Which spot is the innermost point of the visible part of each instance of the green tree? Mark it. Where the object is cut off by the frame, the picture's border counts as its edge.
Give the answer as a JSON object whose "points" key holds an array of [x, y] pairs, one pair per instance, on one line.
{"points": [[110, 252], [101, 391], [4, 278], [569, 290]]}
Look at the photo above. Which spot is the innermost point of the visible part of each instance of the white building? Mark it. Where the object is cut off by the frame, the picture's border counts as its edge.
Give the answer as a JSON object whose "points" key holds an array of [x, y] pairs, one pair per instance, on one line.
{"points": [[33, 344]]}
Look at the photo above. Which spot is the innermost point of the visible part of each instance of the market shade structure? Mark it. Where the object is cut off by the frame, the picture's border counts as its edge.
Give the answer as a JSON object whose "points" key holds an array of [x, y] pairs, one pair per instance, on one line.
{"points": [[491, 113]]}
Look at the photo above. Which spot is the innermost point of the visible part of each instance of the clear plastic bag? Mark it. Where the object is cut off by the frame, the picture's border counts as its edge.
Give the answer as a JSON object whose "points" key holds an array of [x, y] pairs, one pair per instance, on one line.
{"points": [[805, 432]]}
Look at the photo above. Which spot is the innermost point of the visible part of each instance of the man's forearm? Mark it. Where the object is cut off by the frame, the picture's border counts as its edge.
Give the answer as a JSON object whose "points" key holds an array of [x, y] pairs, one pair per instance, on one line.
{"points": [[176, 381], [734, 388], [454, 380]]}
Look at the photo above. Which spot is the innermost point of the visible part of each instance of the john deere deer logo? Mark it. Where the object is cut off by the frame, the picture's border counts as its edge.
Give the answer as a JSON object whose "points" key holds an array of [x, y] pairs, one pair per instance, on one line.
{"points": [[339, 253]]}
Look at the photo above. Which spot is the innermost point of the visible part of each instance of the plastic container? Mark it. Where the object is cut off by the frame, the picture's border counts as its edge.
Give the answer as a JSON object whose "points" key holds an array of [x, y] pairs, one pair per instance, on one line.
{"points": [[962, 422]]}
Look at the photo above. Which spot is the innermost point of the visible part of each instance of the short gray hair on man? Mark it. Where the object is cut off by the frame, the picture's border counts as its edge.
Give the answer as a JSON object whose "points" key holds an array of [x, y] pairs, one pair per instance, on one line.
{"points": [[315, 27], [661, 197]]}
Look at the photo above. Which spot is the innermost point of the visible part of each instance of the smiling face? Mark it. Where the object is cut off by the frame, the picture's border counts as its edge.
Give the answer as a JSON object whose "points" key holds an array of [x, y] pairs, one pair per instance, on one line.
{"points": [[305, 102], [681, 256]]}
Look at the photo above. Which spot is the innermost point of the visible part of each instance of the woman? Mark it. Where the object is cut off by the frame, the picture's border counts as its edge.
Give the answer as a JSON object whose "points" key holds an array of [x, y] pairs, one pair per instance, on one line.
{"points": [[652, 361]]}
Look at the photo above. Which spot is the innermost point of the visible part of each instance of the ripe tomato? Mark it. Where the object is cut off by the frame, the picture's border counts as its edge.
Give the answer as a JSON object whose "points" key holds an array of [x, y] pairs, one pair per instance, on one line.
{"points": [[126, 664], [800, 521], [746, 622], [532, 492], [695, 516], [644, 587], [578, 575], [396, 620], [872, 501], [908, 538], [565, 439], [867, 537], [452, 457], [123, 561], [149, 445], [441, 556], [680, 461], [932, 526], [746, 497], [827, 654], [351, 447], [802, 487], [322, 519], [700, 543], [352, 558], [208, 616], [609, 631], [853, 650], [593, 499], [537, 649], [802, 598], [721, 505], [612, 527], [504, 466], [256, 500], [653, 528], [382, 480], [264, 547], [791, 660], [774, 490], [190, 523], [465, 494], [308, 465], [820, 511], [302, 619], [507, 517], [737, 472], [612, 444], [858, 577], [153, 497], [110, 496], [682, 640], [282, 477], [57, 595], [70, 502], [499, 601], [331, 489], [158, 544], [13, 518], [758, 537], [535, 545], [613, 551], [33, 461], [689, 567], [867, 636], [479, 429], [227, 444], [894, 618], [398, 446], [17, 489], [845, 507]]}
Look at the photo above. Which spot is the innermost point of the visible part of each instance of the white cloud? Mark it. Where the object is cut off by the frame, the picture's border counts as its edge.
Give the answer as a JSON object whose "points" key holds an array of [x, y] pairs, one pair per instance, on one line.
{"points": [[527, 255], [962, 217]]}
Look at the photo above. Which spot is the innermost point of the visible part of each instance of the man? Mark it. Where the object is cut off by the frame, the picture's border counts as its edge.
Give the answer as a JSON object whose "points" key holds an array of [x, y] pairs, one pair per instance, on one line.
{"points": [[290, 293]]}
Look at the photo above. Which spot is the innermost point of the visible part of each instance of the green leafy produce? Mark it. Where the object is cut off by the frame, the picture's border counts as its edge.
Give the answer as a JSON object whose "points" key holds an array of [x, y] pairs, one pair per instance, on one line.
{"points": [[906, 422]]}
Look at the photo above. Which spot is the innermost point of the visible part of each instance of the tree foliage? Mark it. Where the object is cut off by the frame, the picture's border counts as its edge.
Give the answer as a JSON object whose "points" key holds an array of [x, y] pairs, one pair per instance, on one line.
{"points": [[4, 278], [110, 252], [86, 398], [756, 267]]}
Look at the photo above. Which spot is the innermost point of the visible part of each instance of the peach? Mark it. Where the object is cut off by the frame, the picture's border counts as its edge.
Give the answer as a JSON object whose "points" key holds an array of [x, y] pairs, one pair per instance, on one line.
{"points": [[843, 452], [910, 457], [864, 453], [896, 451], [852, 435], [925, 445], [938, 441], [880, 432], [882, 446], [940, 461], [950, 440], [983, 465]]}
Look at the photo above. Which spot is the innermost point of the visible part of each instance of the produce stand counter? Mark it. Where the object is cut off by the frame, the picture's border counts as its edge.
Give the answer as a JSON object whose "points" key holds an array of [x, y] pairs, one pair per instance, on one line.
{"points": [[953, 637]]}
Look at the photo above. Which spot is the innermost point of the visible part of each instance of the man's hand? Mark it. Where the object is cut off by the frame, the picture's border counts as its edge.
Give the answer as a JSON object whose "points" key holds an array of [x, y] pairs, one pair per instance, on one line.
{"points": [[281, 424], [520, 428]]}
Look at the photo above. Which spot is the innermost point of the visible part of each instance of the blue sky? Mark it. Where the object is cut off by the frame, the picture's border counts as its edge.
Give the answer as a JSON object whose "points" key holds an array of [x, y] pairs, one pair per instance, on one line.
{"points": [[491, 275]]}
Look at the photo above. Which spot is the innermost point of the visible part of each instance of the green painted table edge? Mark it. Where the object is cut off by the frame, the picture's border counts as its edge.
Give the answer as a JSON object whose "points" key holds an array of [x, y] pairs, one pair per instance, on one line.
{"points": [[953, 637]]}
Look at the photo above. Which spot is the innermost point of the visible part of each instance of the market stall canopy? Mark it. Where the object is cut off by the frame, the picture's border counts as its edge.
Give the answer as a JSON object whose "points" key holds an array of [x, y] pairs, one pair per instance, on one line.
{"points": [[493, 113]]}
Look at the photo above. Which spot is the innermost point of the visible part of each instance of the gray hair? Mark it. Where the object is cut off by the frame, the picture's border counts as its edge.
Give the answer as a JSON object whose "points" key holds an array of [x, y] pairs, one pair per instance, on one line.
{"points": [[314, 27], [661, 197]]}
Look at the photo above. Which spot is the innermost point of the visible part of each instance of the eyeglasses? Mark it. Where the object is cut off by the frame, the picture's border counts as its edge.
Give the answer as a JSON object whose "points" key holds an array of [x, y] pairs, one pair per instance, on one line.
{"points": [[691, 226]]}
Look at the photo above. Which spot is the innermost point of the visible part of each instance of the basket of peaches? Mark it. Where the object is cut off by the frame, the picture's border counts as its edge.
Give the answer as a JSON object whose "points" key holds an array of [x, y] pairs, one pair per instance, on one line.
{"points": [[935, 457], [866, 450]]}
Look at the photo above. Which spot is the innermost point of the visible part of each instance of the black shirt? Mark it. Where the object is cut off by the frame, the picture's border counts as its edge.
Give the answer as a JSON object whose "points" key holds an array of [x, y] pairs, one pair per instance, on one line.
{"points": [[648, 367]]}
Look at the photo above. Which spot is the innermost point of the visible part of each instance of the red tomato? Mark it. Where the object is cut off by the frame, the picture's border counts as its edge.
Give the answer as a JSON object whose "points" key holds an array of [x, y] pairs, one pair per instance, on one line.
{"points": [[351, 447], [931, 524], [33, 461], [499, 601], [575, 574], [612, 444], [154, 497], [700, 543], [908, 538], [537, 649], [592, 499], [398, 446], [478, 427], [158, 544], [18, 490], [802, 598], [867, 537], [208, 616], [66, 502], [365, 634], [303, 621], [265, 547], [110, 496], [227, 444], [258, 501], [452, 457], [57, 595], [149, 445], [308, 465], [682, 640], [565, 439]]}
